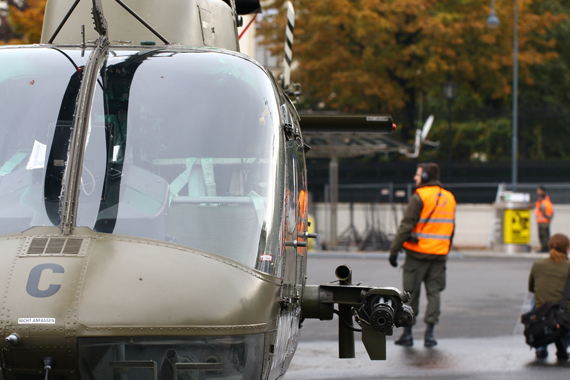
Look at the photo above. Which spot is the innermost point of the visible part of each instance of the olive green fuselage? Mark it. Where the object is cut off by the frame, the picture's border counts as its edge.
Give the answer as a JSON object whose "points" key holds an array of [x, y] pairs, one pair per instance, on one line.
{"points": [[119, 286]]}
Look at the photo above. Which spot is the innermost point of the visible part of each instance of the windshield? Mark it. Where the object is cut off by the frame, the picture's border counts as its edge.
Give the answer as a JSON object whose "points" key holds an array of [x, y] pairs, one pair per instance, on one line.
{"points": [[182, 148], [38, 90]]}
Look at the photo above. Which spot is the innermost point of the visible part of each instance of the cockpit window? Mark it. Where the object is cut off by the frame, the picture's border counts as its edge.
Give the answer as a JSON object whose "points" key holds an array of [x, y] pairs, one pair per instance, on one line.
{"points": [[38, 91], [183, 148]]}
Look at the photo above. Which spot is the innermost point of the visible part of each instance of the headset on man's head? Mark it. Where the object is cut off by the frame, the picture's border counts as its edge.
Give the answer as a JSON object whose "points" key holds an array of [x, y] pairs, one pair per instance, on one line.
{"points": [[425, 175]]}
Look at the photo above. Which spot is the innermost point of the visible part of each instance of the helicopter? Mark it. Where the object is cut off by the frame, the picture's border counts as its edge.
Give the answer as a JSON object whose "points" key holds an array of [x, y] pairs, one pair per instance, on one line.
{"points": [[153, 203]]}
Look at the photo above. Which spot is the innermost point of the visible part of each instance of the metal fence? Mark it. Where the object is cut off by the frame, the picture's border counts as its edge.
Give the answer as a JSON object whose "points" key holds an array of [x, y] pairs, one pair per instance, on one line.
{"points": [[382, 206], [464, 192]]}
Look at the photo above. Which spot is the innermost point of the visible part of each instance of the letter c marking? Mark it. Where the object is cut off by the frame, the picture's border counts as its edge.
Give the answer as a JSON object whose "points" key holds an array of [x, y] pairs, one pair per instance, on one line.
{"points": [[33, 286]]}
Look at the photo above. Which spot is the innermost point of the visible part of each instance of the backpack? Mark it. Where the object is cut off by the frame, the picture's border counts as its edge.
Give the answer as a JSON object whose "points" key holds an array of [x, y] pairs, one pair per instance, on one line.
{"points": [[545, 324]]}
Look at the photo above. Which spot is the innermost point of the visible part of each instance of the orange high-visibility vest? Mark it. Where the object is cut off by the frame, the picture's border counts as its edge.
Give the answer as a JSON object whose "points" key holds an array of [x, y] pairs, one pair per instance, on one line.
{"points": [[548, 210], [437, 220]]}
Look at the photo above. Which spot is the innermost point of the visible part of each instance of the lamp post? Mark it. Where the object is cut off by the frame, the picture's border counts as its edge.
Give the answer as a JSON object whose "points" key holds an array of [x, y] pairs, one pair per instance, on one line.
{"points": [[493, 22], [449, 89]]}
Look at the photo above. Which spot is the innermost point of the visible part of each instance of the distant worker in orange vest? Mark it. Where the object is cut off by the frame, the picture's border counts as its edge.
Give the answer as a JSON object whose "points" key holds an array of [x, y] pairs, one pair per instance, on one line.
{"points": [[425, 233], [544, 213]]}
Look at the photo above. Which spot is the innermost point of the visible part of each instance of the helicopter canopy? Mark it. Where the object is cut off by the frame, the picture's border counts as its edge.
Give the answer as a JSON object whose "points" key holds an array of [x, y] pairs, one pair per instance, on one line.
{"points": [[182, 146]]}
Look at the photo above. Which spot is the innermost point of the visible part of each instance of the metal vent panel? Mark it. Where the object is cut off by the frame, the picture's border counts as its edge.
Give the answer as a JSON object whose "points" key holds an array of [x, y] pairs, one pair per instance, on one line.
{"points": [[37, 246], [55, 246], [72, 247]]}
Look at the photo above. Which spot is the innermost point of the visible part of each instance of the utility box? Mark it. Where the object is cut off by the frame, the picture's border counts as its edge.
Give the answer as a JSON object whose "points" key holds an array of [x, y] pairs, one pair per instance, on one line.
{"points": [[512, 223]]}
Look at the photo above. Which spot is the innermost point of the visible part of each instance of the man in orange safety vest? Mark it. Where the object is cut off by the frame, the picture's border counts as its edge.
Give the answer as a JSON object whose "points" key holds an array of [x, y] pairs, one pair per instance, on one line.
{"points": [[425, 233], [544, 212]]}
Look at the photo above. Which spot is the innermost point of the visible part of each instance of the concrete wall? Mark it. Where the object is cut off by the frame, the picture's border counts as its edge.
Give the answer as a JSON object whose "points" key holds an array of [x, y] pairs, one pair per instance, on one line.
{"points": [[473, 221]]}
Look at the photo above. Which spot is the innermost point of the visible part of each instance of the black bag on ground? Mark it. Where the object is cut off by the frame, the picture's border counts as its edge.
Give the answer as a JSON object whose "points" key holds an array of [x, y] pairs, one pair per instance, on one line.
{"points": [[545, 324]]}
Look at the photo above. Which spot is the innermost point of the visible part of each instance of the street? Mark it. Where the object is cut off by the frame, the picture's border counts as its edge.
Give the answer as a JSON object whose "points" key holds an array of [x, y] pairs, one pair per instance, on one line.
{"points": [[479, 334]]}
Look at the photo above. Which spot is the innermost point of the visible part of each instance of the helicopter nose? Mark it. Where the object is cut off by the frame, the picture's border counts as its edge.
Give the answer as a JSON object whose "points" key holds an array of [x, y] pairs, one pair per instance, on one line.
{"points": [[128, 287], [165, 286]]}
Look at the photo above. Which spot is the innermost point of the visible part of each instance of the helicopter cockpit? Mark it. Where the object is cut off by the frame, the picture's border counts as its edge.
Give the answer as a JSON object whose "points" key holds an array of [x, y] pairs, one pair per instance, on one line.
{"points": [[182, 147]]}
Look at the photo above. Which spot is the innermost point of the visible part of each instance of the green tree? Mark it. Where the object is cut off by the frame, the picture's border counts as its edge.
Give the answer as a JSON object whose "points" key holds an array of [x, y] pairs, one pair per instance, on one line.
{"points": [[488, 140]]}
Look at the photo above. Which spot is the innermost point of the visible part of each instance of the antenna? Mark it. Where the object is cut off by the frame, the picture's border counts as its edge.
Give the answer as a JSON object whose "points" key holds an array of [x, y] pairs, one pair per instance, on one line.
{"points": [[425, 131], [288, 58], [427, 127], [421, 138]]}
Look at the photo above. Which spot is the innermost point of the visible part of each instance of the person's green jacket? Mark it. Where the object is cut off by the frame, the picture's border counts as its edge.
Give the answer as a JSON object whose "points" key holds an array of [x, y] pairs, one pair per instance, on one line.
{"points": [[546, 281]]}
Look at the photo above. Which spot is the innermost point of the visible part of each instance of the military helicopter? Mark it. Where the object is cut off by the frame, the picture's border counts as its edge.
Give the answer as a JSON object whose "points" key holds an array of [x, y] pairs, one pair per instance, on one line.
{"points": [[153, 214]]}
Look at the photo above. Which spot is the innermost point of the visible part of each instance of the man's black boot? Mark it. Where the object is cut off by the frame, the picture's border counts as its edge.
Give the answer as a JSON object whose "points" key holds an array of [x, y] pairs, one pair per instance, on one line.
{"points": [[429, 339], [406, 339]]}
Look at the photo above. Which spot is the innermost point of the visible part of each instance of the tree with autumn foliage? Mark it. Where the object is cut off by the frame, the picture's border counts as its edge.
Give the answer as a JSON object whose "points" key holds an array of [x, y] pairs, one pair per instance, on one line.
{"points": [[376, 55], [23, 22]]}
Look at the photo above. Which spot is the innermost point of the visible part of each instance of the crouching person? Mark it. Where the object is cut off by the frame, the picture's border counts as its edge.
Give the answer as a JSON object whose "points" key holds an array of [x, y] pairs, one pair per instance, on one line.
{"points": [[547, 280]]}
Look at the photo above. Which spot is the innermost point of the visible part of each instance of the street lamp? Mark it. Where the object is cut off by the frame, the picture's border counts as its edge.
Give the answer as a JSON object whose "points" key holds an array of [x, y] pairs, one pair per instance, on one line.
{"points": [[449, 89], [493, 22]]}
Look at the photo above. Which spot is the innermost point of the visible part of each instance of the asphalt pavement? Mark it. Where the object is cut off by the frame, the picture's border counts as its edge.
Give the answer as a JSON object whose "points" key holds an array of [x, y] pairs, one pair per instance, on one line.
{"points": [[479, 334]]}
